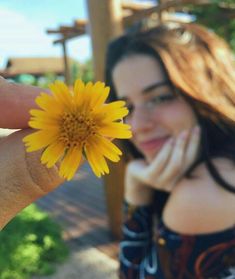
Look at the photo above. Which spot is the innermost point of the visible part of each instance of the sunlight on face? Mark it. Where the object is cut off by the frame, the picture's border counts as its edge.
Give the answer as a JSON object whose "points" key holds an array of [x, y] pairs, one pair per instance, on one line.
{"points": [[156, 113]]}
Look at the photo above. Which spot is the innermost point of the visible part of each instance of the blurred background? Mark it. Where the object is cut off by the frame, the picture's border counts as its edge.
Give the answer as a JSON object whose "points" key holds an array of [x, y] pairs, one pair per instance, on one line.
{"points": [[74, 231]]}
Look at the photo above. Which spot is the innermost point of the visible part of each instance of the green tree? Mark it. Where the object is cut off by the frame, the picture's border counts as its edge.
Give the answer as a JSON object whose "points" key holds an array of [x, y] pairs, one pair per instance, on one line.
{"points": [[219, 16], [75, 71], [46, 79], [83, 71], [88, 72]]}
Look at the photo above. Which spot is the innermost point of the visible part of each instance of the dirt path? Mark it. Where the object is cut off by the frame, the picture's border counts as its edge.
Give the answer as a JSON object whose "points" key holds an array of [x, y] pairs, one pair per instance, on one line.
{"points": [[86, 263]]}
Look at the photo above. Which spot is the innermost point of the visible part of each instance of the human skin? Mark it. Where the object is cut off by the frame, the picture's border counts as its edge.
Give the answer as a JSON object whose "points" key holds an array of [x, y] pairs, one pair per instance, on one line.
{"points": [[23, 178], [131, 78], [15, 102]]}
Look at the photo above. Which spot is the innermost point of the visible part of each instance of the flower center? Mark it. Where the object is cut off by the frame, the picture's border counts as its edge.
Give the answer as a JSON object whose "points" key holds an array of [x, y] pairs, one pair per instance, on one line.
{"points": [[76, 128]]}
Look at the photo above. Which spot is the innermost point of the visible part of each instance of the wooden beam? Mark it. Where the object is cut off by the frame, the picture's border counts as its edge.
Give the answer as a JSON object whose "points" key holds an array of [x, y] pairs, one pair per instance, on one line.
{"points": [[136, 6], [138, 15], [180, 3], [160, 18], [81, 22], [164, 6], [73, 28], [68, 37], [52, 31], [106, 23], [66, 64], [133, 12]]}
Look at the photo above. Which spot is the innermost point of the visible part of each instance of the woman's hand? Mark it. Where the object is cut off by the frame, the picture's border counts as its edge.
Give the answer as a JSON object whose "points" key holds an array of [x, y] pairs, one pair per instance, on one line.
{"points": [[170, 164], [136, 192]]}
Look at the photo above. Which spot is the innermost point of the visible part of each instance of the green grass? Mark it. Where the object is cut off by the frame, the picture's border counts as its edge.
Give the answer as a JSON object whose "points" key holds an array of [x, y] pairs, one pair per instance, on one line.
{"points": [[30, 244]]}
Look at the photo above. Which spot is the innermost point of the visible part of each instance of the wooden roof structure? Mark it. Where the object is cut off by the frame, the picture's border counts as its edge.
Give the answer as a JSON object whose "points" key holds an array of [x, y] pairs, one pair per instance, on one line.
{"points": [[125, 13], [35, 66], [108, 19], [133, 12]]}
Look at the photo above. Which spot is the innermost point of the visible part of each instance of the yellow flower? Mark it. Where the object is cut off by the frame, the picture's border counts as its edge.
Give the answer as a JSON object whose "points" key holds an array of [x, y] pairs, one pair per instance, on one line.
{"points": [[75, 122]]}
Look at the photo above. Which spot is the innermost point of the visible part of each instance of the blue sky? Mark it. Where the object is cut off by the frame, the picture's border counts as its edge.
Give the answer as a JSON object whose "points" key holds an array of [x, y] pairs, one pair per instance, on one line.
{"points": [[24, 23]]}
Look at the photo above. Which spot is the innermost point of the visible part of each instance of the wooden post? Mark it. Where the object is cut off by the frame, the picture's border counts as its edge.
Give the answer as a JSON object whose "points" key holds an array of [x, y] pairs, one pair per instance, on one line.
{"points": [[160, 11], [105, 23], [66, 64]]}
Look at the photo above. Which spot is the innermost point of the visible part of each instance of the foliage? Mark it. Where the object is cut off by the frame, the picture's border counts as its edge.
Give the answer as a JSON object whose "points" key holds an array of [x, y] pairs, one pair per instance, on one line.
{"points": [[30, 244], [82, 71], [214, 17], [45, 80]]}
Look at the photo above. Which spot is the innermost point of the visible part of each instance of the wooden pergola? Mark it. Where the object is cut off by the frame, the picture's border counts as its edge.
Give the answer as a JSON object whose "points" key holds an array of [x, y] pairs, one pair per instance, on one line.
{"points": [[108, 19]]}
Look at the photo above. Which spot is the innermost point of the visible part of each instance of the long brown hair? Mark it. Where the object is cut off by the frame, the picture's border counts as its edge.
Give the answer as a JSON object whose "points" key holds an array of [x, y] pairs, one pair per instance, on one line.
{"points": [[200, 67], [199, 63]]}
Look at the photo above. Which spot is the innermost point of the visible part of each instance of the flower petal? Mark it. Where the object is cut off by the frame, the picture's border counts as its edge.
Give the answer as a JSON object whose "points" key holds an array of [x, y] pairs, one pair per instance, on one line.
{"points": [[61, 92], [44, 125], [46, 102], [70, 163], [116, 130], [101, 97], [117, 114], [39, 139], [42, 115], [79, 87], [92, 161], [52, 154], [99, 158], [107, 148]]}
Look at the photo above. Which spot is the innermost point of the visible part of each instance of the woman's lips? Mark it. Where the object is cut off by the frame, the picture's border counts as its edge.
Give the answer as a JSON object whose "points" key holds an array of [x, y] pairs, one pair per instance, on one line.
{"points": [[154, 144]]}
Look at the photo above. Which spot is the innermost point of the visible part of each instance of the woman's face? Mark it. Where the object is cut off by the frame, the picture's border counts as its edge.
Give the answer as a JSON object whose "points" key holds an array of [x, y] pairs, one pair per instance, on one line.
{"points": [[155, 112]]}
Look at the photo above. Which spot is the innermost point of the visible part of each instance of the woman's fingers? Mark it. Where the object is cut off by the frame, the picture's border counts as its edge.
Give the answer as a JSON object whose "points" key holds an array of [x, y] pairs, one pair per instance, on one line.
{"points": [[145, 172], [192, 147], [137, 167], [160, 161], [171, 162], [184, 154], [175, 162]]}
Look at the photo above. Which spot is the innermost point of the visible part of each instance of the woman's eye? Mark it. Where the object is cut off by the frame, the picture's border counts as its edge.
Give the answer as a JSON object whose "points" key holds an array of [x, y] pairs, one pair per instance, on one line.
{"points": [[161, 99]]}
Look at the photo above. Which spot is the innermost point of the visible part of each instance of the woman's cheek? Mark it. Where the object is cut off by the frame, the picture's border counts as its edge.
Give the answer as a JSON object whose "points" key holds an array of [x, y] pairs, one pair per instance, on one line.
{"points": [[176, 117]]}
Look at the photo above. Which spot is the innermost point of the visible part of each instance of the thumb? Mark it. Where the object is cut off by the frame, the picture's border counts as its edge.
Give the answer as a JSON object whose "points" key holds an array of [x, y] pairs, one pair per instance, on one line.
{"points": [[23, 178]]}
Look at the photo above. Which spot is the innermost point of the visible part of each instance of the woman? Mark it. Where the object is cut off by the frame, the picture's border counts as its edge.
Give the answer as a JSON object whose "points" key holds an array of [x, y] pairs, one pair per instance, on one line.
{"points": [[179, 83]]}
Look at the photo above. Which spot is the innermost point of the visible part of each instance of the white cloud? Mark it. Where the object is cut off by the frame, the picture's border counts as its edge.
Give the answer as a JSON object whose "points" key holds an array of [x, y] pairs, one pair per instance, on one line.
{"points": [[20, 36]]}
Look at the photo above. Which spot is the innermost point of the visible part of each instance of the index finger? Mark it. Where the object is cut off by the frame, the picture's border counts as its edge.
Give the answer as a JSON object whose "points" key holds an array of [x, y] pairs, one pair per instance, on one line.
{"points": [[161, 159], [15, 102]]}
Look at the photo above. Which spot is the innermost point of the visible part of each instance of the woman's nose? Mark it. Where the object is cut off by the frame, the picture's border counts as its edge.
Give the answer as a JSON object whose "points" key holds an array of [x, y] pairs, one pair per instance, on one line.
{"points": [[141, 120]]}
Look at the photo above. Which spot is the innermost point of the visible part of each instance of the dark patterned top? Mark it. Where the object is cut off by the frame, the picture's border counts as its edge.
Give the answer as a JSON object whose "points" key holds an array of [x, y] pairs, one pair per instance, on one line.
{"points": [[163, 254]]}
